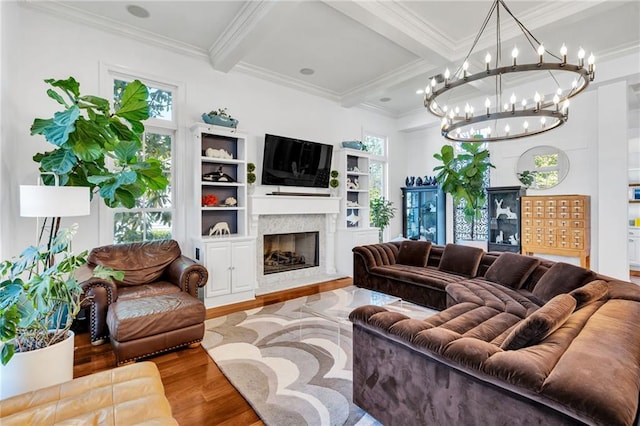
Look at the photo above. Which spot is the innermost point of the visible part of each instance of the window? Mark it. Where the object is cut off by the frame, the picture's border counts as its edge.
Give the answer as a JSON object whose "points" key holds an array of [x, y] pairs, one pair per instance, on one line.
{"points": [[153, 217], [377, 146]]}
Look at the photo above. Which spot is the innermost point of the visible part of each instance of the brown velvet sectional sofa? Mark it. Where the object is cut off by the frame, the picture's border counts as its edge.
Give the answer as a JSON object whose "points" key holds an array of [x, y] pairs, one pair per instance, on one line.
{"points": [[519, 340]]}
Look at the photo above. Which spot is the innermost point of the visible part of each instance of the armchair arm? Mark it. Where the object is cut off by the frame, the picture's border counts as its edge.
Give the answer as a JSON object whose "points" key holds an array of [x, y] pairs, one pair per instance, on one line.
{"points": [[376, 254], [187, 274], [98, 295]]}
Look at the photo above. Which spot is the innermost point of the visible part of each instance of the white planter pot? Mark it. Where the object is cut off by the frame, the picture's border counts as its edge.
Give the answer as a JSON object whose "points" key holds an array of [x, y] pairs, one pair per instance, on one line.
{"points": [[28, 371]]}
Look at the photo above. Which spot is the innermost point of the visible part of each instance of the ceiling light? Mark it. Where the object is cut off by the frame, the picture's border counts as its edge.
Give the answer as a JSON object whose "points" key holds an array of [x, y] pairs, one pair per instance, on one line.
{"points": [[385, 99], [419, 91], [512, 121], [307, 71], [138, 11]]}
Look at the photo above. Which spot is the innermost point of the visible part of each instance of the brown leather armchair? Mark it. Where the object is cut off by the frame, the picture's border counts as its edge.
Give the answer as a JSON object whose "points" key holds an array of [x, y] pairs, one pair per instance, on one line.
{"points": [[154, 308]]}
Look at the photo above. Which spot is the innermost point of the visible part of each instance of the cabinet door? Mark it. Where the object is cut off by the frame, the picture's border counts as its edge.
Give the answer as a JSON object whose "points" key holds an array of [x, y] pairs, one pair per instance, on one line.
{"points": [[634, 250], [429, 216], [243, 266], [412, 210], [218, 262]]}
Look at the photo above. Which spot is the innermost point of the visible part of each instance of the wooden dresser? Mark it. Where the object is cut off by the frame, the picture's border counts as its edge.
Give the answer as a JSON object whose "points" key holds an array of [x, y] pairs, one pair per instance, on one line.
{"points": [[558, 225]]}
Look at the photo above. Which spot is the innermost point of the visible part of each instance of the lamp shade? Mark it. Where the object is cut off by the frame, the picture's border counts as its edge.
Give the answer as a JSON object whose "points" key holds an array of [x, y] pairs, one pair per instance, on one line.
{"points": [[54, 201]]}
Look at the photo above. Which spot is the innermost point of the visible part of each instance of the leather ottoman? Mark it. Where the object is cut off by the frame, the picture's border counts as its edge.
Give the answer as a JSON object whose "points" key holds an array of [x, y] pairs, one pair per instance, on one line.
{"points": [[128, 395], [146, 326]]}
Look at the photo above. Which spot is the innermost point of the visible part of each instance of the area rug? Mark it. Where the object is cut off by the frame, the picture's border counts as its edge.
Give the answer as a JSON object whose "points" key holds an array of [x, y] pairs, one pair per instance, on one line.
{"points": [[293, 367]]}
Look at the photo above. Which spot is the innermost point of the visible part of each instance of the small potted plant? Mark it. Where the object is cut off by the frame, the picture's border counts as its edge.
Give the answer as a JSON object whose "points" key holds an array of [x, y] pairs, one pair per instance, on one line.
{"points": [[382, 211], [220, 117], [39, 299], [334, 183]]}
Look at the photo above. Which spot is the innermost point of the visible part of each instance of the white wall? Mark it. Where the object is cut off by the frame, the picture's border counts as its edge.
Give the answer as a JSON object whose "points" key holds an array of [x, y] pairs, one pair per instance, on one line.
{"points": [[40, 46]]}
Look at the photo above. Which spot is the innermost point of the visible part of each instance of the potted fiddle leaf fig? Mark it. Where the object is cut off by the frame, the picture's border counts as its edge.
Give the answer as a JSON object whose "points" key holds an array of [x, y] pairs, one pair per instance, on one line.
{"points": [[382, 211], [462, 176], [39, 299], [86, 133]]}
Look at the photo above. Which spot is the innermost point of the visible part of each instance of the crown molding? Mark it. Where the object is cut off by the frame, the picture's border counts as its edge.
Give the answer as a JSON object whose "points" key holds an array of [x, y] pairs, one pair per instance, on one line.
{"points": [[65, 11]]}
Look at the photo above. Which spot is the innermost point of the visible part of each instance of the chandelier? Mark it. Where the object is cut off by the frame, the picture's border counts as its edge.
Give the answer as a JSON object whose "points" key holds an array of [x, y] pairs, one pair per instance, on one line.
{"points": [[513, 108]]}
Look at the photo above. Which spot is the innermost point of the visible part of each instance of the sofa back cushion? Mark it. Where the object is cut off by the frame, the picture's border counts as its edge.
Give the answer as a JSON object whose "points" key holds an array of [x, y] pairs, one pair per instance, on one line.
{"points": [[540, 324], [590, 293], [561, 278], [461, 260], [511, 269], [414, 253], [141, 263]]}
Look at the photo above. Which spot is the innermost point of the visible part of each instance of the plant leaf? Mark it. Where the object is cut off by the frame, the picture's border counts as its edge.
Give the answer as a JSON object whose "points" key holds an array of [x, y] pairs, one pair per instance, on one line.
{"points": [[68, 85], [133, 104], [126, 151], [55, 96], [60, 161], [63, 123]]}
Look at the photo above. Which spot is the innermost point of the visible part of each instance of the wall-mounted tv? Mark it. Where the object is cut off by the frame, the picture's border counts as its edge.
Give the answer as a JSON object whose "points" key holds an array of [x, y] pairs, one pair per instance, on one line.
{"points": [[295, 162]]}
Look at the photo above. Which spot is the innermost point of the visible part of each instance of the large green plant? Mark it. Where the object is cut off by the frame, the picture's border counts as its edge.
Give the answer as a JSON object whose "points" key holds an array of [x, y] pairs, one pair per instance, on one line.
{"points": [[382, 211], [463, 175], [39, 299], [87, 134]]}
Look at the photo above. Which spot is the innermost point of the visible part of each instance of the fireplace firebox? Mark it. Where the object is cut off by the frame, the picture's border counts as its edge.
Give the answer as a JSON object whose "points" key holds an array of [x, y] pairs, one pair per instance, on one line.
{"points": [[291, 251]]}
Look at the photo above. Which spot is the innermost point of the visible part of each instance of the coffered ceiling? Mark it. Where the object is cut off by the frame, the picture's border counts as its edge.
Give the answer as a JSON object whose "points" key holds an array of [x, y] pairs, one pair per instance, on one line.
{"points": [[368, 53]]}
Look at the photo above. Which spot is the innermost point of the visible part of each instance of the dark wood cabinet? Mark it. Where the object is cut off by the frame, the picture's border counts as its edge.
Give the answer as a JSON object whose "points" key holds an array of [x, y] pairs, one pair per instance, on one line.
{"points": [[423, 213], [505, 219]]}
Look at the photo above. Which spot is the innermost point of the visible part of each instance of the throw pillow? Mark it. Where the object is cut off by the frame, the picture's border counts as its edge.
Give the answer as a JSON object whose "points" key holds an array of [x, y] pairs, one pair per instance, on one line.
{"points": [[511, 269], [461, 260], [561, 278], [414, 253], [540, 324], [589, 293]]}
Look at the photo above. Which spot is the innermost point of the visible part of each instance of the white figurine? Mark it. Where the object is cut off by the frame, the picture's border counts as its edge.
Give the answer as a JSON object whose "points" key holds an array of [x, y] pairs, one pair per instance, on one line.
{"points": [[500, 238], [218, 153], [432, 208], [505, 211], [230, 202], [514, 239], [352, 184], [219, 228], [353, 219]]}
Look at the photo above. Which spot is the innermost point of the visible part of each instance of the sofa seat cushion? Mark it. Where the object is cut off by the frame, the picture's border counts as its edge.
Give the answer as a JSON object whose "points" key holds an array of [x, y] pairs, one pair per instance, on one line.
{"points": [[561, 278], [511, 269], [461, 260], [147, 290], [414, 253], [486, 293], [541, 323], [137, 318], [425, 276]]}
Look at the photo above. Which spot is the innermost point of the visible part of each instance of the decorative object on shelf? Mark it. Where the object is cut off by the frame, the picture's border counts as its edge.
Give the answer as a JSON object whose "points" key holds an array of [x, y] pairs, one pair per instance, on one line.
{"points": [[500, 237], [353, 218], [209, 200], [218, 176], [220, 228], [354, 145], [382, 211], [230, 202], [462, 176], [432, 208], [513, 240], [409, 181], [334, 183], [220, 118], [218, 153], [354, 169], [352, 203], [86, 132], [352, 184], [542, 167], [418, 181], [499, 119], [504, 210], [251, 176]]}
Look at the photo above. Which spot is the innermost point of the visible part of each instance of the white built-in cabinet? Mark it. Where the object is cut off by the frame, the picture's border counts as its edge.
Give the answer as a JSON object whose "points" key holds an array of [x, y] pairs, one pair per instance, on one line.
{"points": [[229, 257], [354, 227]]}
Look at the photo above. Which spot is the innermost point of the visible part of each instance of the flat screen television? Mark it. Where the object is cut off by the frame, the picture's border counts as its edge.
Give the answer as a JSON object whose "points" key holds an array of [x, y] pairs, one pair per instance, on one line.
{"points": [[295, 162]]}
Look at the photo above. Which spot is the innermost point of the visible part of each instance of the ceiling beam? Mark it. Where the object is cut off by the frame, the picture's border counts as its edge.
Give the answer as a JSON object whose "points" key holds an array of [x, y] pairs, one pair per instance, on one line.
{"points": [[245, 32]]}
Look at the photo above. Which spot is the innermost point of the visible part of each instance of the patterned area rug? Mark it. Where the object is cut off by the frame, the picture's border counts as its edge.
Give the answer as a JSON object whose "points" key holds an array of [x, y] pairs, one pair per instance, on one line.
{"points": [[293, 367]]}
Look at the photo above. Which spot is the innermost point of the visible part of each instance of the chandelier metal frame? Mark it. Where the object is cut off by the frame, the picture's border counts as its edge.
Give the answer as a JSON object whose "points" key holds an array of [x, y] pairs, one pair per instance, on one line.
{"points": [[460, 127]]}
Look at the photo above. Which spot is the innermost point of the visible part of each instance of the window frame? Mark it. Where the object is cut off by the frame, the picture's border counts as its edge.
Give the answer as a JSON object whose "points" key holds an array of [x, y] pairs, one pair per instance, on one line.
{"points": [[381, 159], [173, 127]]}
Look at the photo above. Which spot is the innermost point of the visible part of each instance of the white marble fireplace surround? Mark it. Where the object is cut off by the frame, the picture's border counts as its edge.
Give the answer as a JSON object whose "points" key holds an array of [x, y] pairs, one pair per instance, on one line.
{"points": [[279, 214]]}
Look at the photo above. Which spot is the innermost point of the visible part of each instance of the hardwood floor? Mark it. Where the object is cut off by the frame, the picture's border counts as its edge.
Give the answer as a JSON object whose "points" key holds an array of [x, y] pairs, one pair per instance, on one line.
{"points": [[197, 390]]}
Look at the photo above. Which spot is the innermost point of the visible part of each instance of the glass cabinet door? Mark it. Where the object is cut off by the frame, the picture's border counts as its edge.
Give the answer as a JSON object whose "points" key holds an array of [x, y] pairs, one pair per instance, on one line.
{"points": [[504, 218], [429, 216], [412, 203]]}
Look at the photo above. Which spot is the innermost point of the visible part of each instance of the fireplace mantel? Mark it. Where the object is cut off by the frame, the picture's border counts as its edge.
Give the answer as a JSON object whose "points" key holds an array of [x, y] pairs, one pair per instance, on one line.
{"points": [[292, 204]]}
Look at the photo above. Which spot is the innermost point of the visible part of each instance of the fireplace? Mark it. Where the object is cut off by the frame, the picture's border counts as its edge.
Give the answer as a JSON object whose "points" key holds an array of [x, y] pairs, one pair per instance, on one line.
{"points": [[290, 251]]}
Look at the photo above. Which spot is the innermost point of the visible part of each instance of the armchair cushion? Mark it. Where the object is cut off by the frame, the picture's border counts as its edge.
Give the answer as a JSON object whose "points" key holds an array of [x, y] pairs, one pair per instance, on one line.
{"points": [[141, 262]]}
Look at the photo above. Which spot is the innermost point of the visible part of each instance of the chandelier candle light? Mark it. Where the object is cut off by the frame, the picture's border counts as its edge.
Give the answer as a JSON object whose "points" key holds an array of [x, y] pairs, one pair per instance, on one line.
{"points": [[502, 118]]}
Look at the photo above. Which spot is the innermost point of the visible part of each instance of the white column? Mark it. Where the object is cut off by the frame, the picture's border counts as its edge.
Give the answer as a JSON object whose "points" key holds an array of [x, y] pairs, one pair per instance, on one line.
{"points": [[611, 202], [330, 225]]}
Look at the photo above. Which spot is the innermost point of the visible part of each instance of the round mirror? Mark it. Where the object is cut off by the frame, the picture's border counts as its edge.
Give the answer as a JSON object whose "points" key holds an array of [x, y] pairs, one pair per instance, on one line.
{"points": [[542, 167]]}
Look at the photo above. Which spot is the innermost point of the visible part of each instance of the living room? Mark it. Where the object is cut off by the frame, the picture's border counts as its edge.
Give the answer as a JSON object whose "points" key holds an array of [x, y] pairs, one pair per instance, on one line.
{"points": [[42, 41]]}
